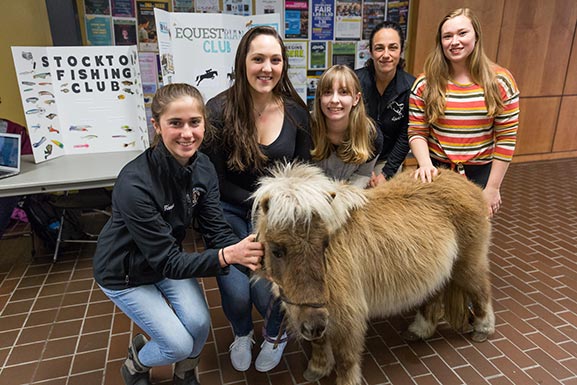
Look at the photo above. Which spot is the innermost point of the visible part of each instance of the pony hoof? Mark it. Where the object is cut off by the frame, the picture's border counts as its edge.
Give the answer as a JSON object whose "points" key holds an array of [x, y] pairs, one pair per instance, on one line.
{"points": [[410, 336], [479, 336], [311, 375]]}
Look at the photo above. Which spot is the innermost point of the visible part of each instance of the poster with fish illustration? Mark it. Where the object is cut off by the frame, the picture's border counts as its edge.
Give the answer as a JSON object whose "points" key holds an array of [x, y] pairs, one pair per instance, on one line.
{"points": [[199, 49], [81, 100]]}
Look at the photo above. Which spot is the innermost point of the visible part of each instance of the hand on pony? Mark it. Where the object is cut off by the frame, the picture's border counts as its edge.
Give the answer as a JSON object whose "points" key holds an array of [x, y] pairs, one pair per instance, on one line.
{"points": [[247, 252], [376, 179], [426, 173]]}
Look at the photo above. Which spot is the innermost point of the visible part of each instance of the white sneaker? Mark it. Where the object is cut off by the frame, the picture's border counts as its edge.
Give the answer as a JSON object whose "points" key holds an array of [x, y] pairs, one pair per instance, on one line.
{"points": [[269, 356], [241, 352]]}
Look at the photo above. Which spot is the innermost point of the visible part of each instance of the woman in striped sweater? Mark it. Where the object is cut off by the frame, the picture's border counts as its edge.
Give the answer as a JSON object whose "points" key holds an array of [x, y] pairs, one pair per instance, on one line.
{"points": [[464, 109]]}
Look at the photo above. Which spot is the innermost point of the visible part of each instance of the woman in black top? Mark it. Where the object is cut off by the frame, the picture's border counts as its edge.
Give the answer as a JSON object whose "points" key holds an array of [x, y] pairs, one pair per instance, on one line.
{"points": [[386, 89], [259, 120]]}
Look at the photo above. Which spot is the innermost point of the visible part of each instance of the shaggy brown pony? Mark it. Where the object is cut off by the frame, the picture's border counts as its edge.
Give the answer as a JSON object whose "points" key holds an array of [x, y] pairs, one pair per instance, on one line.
{"points": [[338, 255]]}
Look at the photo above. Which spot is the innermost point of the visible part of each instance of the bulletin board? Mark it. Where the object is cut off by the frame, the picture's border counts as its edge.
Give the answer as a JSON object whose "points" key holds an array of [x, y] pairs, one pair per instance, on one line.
{"points": [[318, 33]]}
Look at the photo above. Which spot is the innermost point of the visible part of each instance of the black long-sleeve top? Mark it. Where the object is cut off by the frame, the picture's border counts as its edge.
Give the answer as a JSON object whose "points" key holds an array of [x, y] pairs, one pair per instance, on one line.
{"points": [[154, 202], [293, 143], [390, 111]]}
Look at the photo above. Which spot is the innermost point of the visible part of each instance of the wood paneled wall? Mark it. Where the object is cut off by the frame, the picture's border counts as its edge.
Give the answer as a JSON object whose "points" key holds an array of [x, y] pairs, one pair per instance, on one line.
{"points": [[536, 40]]}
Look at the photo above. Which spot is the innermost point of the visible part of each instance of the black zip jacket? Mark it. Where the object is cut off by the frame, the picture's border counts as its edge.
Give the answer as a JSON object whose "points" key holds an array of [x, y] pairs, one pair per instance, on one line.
{"points": [[390, 112], [154, 201]]}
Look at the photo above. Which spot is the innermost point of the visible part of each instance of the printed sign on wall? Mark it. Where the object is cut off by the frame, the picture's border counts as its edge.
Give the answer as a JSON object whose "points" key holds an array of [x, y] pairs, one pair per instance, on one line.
{"points": [[200, 50], [81, 100]]}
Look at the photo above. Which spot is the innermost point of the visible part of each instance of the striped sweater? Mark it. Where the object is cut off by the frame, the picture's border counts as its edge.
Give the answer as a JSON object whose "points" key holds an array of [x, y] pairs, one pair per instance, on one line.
{"points": [[466, 134]]}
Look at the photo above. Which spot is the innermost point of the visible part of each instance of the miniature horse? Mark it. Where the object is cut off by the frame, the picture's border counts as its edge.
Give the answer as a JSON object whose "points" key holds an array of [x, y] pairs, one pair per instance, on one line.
{"points": [[338, 256]]}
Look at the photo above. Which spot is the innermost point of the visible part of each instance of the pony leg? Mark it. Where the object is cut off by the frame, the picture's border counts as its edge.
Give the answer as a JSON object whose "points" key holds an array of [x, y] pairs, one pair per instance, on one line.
{"points": [[483, 326], [348, 352], [482, 308], [426, 320], [322, 360], [470, 292]]}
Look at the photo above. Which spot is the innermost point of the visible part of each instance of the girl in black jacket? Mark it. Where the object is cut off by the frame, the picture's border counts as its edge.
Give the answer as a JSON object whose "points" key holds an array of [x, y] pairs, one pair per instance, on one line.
{"points": [[386, 90], [139, 261]]}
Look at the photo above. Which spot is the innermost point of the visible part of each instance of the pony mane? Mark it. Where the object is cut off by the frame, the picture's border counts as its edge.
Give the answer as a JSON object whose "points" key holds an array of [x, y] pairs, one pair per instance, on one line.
{"points": [[296, 192]]}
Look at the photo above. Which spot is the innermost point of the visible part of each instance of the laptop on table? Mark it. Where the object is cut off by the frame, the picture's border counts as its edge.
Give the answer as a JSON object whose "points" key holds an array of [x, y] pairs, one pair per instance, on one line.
{"points": [[9, 154]]}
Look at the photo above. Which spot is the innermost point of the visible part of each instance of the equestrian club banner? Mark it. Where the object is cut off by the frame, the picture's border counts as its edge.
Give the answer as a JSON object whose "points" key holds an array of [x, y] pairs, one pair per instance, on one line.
{"points": [[80, 100], [199, 48]]}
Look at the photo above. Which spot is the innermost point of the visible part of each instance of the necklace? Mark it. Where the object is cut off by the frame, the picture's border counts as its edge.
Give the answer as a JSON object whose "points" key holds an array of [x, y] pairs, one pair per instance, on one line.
{"points": [[275, 105]]}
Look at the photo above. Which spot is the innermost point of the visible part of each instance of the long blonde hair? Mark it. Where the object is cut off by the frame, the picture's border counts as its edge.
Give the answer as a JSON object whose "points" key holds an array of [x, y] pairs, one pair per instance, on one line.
{"points": [[357, 146], [438, 71]]}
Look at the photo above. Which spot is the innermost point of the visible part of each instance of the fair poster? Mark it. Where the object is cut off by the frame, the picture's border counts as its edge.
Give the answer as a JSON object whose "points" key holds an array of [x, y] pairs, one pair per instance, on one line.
{"points": [[322, 19], [81, 100], [373, 14], [348, 22], [122, 8], [98, 31], [318, 54], [124, 31], [363, 53], [147, 33], [237, 7], [207, 6], [344, 53], [296, 19], [182, 6], [297, 72], [200, 50]]}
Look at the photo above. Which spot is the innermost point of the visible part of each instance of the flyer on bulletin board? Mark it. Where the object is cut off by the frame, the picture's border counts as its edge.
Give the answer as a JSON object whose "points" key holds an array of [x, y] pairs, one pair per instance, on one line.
{"points": [[80, 100], [98, 31], [296, 19], [200, 50], [348, 22], [297, 72], [322, 20], [147, 33]]}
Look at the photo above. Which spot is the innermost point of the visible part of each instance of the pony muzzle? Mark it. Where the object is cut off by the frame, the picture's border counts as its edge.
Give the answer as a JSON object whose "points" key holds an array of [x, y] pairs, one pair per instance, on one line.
{"points": [[313, 323]]}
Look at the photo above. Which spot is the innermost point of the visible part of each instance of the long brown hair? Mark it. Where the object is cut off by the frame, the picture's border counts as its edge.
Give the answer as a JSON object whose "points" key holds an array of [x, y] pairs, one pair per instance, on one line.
{"points": [[438, 72], [241, 138], [357, 146]]}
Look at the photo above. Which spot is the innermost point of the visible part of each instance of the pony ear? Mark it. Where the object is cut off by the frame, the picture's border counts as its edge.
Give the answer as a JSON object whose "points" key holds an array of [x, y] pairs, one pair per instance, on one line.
{"points": [[264, 204]]}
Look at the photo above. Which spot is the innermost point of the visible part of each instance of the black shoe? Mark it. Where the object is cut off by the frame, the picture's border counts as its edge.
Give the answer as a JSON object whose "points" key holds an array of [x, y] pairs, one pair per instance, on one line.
{"points": [[134, 379], [132, 371], [189, 379], [188, 368]]}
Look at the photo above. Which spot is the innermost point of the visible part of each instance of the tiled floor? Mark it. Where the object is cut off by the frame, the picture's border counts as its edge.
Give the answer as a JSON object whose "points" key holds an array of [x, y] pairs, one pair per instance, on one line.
{"points": [[56, 327]]}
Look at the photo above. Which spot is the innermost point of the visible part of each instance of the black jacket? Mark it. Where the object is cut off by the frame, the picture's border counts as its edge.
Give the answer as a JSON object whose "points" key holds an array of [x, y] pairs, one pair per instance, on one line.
{"points": [[154, 201], [390, 112]]}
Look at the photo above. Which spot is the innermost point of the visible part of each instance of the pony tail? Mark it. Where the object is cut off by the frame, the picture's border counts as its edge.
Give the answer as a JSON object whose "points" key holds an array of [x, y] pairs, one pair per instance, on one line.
{"points": [[457, 312]]}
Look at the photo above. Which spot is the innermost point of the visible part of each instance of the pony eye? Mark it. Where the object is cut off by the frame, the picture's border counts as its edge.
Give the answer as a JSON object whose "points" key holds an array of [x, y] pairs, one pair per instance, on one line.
{"points": [[277, 251]]}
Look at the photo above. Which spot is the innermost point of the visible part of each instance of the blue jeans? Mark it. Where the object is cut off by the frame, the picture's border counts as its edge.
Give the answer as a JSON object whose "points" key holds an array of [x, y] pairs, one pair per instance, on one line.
{"points": [[174, 334], [238, 293]]}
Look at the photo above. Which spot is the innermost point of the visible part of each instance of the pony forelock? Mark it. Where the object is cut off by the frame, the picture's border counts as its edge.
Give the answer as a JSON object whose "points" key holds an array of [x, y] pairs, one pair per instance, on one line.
{"points": [[296, 192]]}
